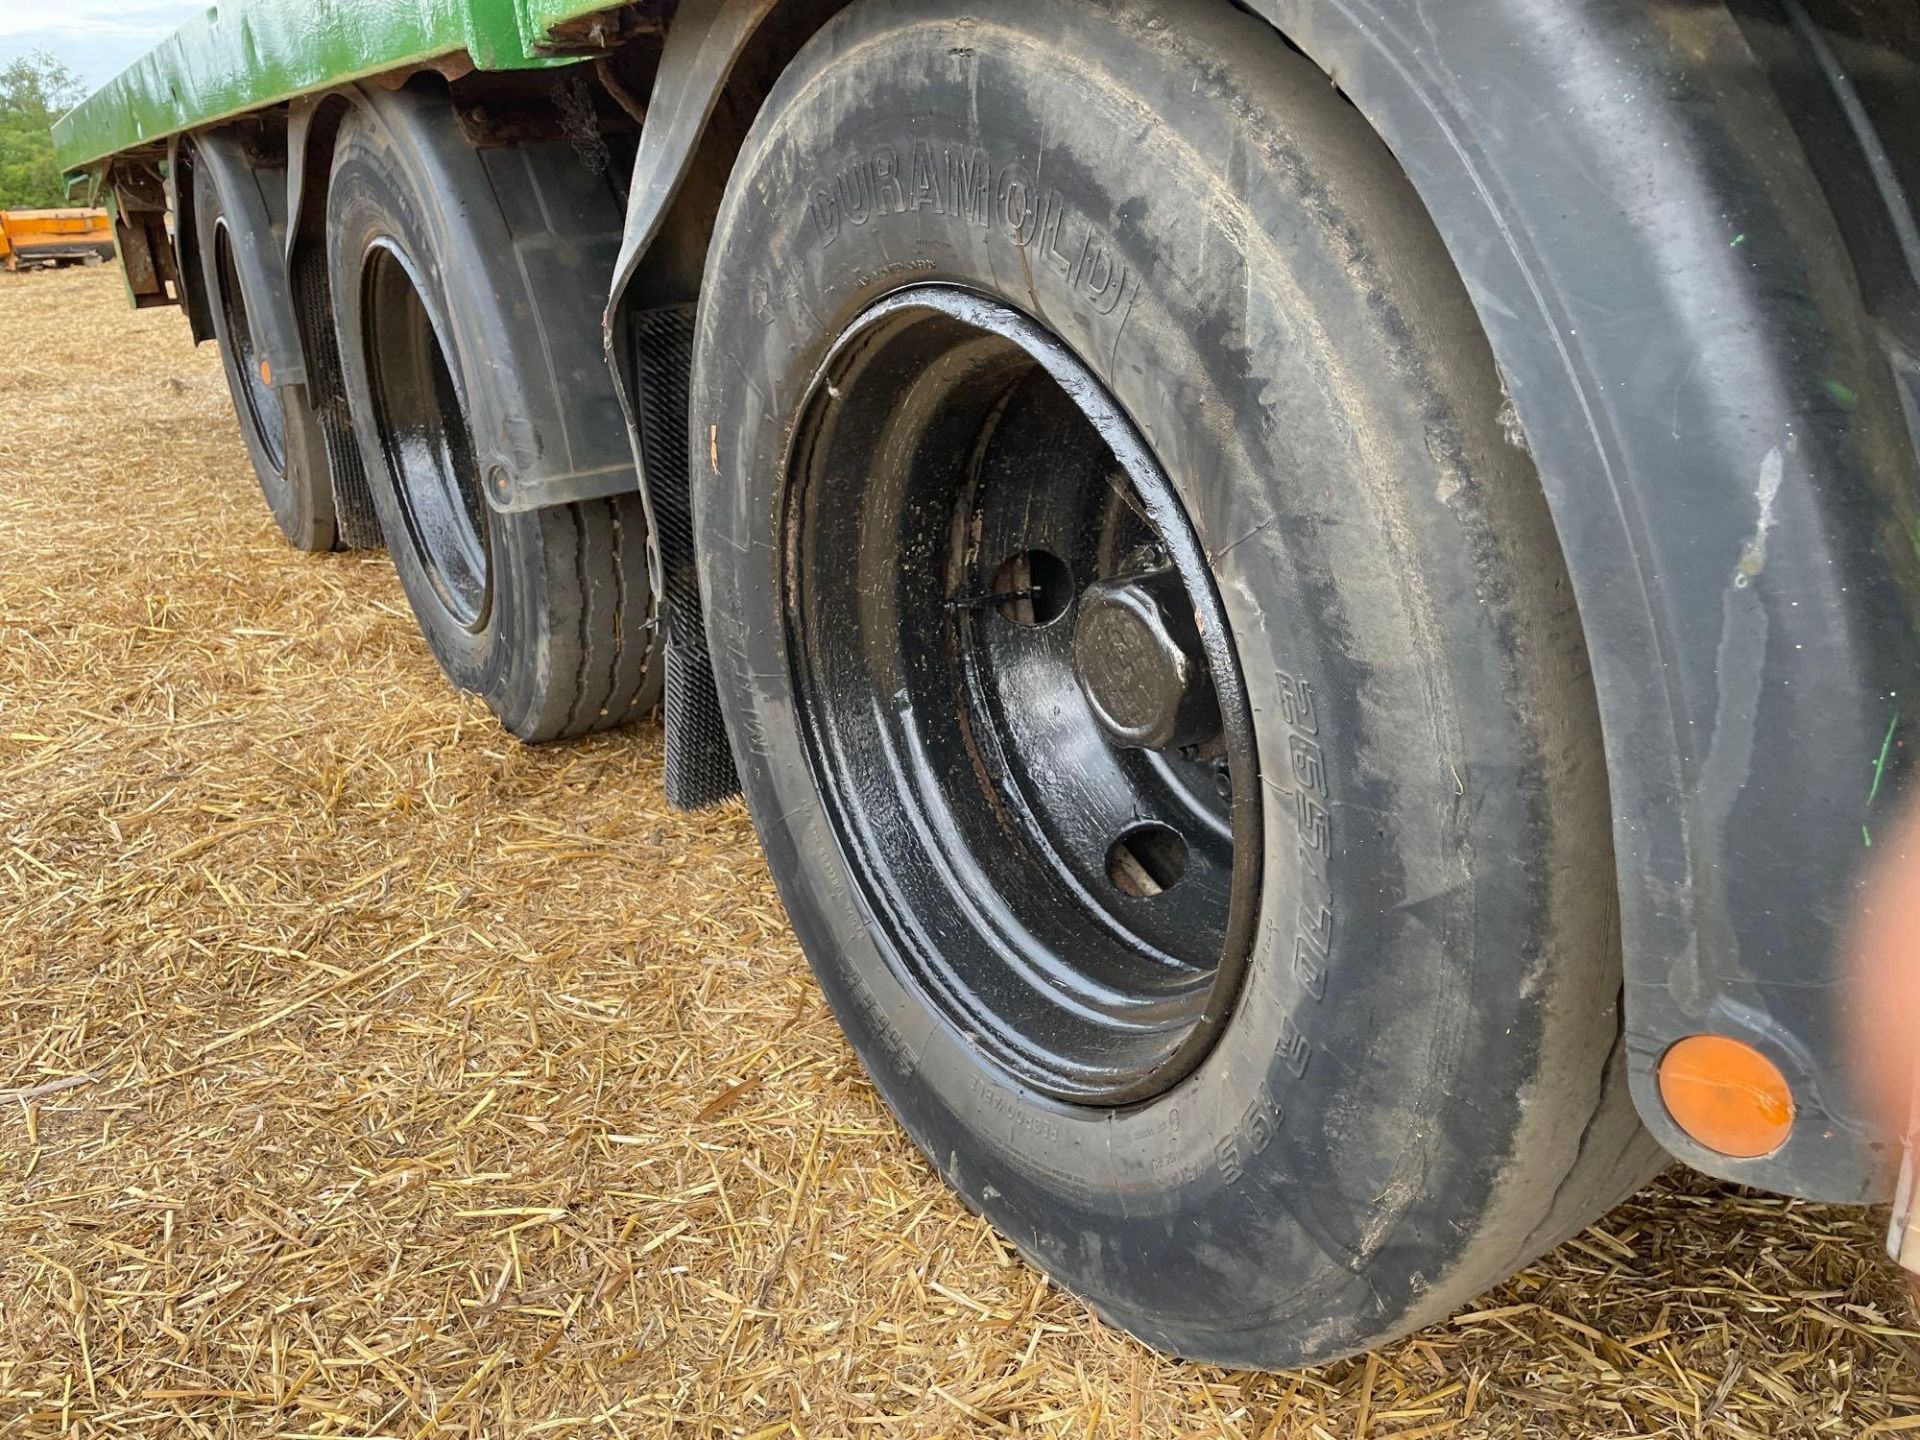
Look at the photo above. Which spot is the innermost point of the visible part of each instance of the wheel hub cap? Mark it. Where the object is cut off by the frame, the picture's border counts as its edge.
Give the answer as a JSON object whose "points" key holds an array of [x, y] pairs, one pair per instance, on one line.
{"points": [[1137, 656]]}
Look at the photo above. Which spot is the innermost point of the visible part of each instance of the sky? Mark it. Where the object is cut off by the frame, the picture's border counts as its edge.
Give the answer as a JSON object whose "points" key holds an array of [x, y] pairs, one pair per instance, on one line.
{"points": [[96, 38]]}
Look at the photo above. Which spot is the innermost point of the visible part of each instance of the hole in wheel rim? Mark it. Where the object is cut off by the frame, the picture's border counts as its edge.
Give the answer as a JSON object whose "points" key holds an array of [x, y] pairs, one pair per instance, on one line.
{"points": [[950, 454], [424, 439], [1147, 861], [1033, 587], [263, 409]]}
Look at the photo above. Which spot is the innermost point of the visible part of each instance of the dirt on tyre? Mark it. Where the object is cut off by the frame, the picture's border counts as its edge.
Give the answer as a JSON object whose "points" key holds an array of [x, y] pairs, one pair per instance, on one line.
{"points": [[546, 613], [1152, 672], [277, 423]]}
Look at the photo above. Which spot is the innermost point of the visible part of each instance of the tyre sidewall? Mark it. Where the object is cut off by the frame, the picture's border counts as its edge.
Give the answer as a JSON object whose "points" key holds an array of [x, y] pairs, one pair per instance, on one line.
{"points": [[1333, 1158], [298, 488], [373, 198]]}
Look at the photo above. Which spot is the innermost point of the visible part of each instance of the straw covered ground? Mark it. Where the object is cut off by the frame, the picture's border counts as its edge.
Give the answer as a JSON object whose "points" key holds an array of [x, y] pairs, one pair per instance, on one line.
{"points": [[363, 1072]]}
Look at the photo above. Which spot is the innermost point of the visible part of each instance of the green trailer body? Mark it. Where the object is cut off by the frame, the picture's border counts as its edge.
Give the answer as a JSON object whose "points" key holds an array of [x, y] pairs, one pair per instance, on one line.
{"points": [[245, 54]]}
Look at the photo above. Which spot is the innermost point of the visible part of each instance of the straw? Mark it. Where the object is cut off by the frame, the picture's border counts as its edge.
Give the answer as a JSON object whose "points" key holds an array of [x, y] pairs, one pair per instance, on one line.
{"points": [[367, 1073]]}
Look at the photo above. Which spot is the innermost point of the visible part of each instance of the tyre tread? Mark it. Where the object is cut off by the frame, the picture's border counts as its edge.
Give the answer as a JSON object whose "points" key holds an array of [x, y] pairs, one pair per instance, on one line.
{"points": [[593, 555]]}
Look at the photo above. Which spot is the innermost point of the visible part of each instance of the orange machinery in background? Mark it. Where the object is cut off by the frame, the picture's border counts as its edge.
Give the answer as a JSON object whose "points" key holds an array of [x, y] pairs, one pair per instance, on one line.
{"points": [[54, 237]]}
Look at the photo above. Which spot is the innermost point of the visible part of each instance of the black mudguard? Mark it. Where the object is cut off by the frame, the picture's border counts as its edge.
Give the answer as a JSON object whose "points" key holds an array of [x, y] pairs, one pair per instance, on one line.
{"points": [[551, 257], [1718, 421], [254, 200]]}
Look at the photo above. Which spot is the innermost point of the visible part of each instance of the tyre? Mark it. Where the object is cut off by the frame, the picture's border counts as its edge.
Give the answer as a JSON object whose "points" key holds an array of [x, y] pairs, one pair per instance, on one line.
{"points": [[278, 425], [1152, 672], [546, 614]]}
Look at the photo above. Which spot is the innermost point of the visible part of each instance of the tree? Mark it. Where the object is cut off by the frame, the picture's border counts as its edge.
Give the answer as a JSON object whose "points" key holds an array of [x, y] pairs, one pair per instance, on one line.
{"points": [[35, 90]]}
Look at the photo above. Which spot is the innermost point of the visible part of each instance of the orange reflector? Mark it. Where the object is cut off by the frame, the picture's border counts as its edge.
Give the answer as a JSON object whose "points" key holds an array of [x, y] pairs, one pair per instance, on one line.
{"points": [[1726, 1095], [266, 373]]}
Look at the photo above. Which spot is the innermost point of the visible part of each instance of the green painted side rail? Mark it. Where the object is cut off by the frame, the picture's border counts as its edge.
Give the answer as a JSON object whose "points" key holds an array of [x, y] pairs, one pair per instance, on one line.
{"points": [[244, 54]]}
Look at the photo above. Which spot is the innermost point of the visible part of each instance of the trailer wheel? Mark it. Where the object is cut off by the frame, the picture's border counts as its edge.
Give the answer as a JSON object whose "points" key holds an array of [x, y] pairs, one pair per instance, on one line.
{"points": [[1152, 671], [278, 424], [546, 613]]}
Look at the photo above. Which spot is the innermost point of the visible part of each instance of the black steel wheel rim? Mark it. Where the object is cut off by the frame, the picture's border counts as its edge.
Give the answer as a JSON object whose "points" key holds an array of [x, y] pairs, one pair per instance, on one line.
{"points": [[1020, 698], [424, 439], [261, 401]]}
